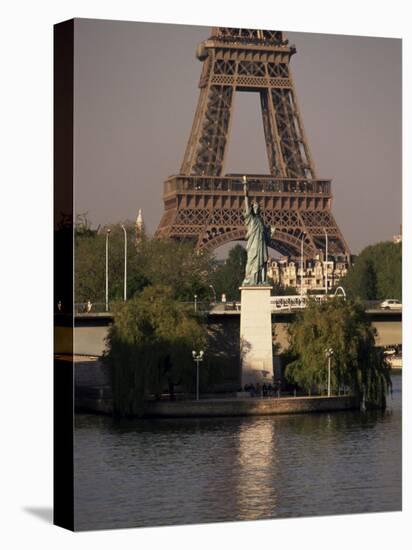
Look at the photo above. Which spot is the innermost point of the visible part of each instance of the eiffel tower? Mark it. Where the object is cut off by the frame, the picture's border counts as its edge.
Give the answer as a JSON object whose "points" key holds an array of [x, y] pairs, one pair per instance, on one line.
{"points": [[203, 204]]}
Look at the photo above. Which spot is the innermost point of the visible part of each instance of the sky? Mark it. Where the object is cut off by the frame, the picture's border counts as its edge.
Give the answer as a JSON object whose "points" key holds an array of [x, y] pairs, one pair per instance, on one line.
{"points": [[136, 91]]}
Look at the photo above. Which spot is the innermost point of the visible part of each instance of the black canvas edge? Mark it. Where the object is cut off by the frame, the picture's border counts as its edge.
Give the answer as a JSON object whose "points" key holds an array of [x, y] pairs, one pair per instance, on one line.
{"points": [[63, 261]]}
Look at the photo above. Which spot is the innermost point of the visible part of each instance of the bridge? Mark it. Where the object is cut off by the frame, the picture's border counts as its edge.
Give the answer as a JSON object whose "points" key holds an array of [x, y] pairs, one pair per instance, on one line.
{"points": [[91, 329], [388, 323]]}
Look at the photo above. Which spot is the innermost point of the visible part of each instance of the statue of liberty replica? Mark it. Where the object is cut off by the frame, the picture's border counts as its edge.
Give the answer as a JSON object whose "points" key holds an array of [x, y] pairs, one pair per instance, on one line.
{"points": [[257, 237], [256, 349]]}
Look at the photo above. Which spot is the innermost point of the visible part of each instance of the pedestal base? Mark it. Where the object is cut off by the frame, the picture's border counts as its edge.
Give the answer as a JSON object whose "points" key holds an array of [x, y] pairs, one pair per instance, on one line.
{"points": [[256, 350]]}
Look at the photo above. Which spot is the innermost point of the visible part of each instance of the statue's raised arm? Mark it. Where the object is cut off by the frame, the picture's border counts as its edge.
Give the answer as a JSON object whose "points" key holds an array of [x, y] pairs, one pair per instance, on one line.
{"points": [[246, 193]]}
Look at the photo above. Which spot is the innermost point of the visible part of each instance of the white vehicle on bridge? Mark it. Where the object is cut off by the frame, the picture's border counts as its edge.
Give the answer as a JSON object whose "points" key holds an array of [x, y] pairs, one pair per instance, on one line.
{"points": [[391, 304]]}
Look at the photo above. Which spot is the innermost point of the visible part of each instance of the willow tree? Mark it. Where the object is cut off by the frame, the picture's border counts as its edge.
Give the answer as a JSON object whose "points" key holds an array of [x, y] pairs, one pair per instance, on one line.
{"points": [[150, 347], [357, 363]]}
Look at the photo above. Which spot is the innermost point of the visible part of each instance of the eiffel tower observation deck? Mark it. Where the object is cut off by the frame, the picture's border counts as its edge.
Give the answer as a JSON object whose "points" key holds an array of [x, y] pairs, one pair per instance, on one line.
{"points": [[204, 204]]}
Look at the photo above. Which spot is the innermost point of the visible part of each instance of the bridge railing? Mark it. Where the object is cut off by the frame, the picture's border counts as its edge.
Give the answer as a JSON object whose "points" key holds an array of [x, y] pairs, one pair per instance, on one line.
{"points": [[90, 307], [100, 307], [277, 303], [288, 303]]}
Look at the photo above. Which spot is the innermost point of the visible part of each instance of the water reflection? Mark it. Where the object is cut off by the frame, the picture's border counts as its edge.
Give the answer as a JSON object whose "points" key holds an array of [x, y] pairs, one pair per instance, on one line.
{"points": [[161, 472], [257, 462]]}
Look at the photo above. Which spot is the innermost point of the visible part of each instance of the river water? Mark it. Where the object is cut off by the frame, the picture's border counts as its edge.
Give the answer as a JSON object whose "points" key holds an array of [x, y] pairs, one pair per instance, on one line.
{"points": [[163, 472]]}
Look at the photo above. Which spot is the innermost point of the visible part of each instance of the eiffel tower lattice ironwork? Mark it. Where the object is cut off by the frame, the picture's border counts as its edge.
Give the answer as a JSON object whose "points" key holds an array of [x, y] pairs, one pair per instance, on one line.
{"points": [[201, 203]]}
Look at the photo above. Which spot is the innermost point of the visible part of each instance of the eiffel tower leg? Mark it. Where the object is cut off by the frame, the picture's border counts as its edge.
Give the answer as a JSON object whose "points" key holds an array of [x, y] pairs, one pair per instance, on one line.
{"points": [[195, 133], [272, 139], [320, 223], [205, 153], [309, 245], [295, 151]]}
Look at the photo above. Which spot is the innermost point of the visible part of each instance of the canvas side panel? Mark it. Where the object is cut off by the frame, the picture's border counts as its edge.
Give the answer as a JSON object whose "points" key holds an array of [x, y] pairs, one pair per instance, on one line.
{"points": [[63, 275]]}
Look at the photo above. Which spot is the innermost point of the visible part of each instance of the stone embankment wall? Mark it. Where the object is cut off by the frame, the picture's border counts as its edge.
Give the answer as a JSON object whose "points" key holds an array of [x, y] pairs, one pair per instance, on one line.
{"points": [[249, 406]]}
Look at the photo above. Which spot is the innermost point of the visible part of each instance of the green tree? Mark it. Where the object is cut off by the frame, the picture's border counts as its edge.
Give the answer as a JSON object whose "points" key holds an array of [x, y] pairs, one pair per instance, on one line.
{"points": [[360, 281], [356, 362], [150, 348], [280, 290], [90, 263], [176, 264], [167, 262], [228, 277], [376, 273]]}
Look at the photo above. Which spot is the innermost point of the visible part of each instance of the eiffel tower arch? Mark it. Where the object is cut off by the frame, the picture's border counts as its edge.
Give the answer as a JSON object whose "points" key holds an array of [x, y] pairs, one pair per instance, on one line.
{"points": [[203, 204]]}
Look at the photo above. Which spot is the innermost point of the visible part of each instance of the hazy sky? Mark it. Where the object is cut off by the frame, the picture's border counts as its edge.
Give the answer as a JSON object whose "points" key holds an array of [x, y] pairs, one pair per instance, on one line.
{"points": [[135, 98]]}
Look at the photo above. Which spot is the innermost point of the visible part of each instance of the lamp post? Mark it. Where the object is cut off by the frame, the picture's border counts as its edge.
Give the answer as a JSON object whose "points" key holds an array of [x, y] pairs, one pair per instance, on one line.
{"points": [[329, 353], [326, 263], [197, 358], [301, 263], [125, 264], [195, 299], [107, 268]]}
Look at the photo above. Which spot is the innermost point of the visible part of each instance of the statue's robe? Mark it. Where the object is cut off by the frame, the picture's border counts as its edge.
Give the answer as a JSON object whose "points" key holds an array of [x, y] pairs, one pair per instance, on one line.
{"points": [[257, 250]]}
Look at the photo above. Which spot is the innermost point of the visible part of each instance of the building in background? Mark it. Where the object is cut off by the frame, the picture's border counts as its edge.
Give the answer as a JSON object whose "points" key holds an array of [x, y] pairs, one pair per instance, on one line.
{"points": [[287, 273]]}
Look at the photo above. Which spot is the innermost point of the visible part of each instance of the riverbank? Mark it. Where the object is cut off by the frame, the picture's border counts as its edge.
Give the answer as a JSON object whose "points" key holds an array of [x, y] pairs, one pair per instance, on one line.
{"points": [[248, 406], [97, 400], [93, 393]]}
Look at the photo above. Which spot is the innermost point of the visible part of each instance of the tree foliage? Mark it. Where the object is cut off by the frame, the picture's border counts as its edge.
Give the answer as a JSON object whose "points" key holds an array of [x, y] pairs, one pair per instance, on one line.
{"points": [[227, 277], [278, 289], [356, 362], [171, 263], [90, 264], [177, 265], [150, 347], [376, 273]]}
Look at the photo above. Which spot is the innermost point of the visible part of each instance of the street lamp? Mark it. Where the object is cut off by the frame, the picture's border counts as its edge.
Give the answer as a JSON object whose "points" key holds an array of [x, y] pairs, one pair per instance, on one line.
{"points": [[197, 358], [329, 353], [195, 297], [326, 254], [125, 263], [107, 268], [301, 263]]}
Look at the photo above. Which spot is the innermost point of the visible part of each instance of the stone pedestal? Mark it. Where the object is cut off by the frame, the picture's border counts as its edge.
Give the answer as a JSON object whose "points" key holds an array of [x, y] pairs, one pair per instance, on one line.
{"points": [[256, 350]]}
